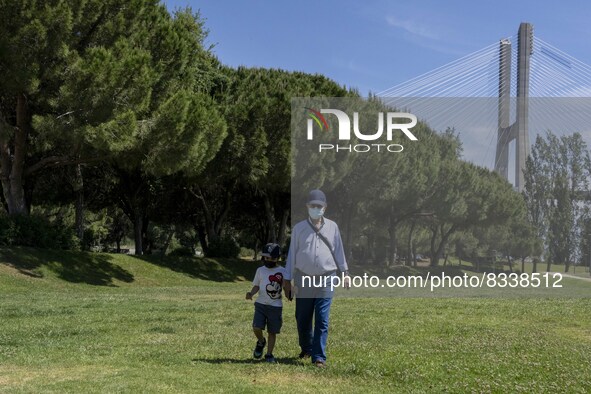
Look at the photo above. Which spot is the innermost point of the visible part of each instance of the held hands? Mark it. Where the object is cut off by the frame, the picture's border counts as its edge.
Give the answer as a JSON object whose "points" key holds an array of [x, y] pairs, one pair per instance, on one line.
{"points": [[347, 281]]}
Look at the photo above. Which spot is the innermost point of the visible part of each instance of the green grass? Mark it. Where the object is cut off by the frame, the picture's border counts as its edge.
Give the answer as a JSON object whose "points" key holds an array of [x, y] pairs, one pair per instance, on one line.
{"points": [[80, 322]]}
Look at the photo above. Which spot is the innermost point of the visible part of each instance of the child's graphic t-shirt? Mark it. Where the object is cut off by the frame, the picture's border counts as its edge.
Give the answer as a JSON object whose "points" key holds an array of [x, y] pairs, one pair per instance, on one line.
{"points": [[270, 283]]}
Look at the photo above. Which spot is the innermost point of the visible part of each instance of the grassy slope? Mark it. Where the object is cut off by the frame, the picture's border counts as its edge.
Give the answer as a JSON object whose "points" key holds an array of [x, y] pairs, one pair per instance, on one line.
{"points": [[81, 322]]}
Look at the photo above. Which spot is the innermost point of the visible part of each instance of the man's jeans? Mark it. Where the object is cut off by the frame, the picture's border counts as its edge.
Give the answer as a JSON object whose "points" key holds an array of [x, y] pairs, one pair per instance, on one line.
{"points": [[313, 343]]}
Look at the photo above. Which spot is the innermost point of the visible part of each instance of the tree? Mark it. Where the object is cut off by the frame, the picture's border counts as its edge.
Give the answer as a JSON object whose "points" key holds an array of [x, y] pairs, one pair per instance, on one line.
{"points": [[557, 184], [46, 46], [472, 197], [126, 84], [413, 184], [522, 241], [194, 131], [256, 104]]}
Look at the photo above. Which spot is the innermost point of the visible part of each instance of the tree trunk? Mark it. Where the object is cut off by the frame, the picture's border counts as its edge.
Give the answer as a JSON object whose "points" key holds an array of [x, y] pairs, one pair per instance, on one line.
{"points": [[440, 248], [393, 247], [410, 257], [347, 230], [146, 242], [434, 259], [133, 202], [522, 264], [13, 162], [79, 190], [5, 164], [137, 233], [371, 255], [209, 222], [168, 240], [283, 227], [269, 216], [20, 153], [213, 226], [549, 265], [221, 219], [202, 238]]}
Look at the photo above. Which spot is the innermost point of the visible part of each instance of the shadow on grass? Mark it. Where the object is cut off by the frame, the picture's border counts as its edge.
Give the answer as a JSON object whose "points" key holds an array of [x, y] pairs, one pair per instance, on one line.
{"points": [[76, 267], [279, 360], [217, 270]]}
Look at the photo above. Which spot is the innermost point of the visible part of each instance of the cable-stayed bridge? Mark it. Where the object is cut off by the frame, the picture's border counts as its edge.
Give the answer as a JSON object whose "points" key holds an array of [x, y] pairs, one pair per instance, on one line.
{"points": [[499, 95]]}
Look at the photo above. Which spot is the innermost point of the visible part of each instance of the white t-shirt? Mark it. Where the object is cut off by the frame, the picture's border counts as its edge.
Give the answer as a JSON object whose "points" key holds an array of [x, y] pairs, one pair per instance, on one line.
{"points": [[270, 283]]}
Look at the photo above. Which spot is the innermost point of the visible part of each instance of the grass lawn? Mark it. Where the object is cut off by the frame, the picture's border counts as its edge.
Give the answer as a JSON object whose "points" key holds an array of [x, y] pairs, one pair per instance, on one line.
{"points": [[82, 322]]}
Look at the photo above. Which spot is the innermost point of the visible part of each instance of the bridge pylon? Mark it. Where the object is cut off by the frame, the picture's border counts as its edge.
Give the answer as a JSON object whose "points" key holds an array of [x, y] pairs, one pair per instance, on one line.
{"points": [[517, 131]]}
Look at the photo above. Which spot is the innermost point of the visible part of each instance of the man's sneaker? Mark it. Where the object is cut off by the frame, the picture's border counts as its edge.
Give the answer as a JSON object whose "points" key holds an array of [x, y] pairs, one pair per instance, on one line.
{"points": [[304, 354], [258, 350], [320, 364], [269, 358]]}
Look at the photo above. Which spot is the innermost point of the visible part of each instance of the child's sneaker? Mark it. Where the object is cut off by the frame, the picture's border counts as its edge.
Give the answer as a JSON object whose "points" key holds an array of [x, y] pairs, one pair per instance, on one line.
{"points": [[258, 350], [269, 358]]}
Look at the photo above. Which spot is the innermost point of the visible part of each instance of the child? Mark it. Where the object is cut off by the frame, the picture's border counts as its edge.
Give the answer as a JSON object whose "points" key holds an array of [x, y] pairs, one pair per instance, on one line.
{"points": [[268, 307]]}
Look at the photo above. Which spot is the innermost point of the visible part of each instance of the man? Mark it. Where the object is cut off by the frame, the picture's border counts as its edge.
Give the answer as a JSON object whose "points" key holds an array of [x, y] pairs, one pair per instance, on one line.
{"points": [[316, 250]]}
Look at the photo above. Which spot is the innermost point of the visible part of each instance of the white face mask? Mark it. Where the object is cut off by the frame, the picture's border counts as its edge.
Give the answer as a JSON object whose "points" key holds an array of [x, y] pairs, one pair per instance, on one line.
{"points": [[315, 213]]}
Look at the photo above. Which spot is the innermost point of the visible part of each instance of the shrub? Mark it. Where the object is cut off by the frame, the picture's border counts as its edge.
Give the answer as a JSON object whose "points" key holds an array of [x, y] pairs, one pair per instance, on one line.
{"points": [[223, 247], [181, 252], [36, 231], [246, 252]]}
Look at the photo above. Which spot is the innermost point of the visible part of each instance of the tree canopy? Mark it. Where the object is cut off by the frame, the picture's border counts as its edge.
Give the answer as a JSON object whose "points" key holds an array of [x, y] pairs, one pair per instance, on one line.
{"points": [[117, 121]]}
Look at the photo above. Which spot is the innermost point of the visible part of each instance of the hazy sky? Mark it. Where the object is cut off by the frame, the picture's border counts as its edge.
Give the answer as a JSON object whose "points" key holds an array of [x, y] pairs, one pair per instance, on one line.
{"points": [[376, 44]]}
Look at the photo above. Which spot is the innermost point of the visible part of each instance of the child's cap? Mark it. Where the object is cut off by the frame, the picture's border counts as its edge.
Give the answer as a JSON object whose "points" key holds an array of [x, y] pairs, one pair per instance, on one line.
{"points": [[271, 250]]}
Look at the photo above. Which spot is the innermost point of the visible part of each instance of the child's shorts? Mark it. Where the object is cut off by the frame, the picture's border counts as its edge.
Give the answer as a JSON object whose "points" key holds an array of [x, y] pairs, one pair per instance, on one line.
{"points": [[269, 316]]}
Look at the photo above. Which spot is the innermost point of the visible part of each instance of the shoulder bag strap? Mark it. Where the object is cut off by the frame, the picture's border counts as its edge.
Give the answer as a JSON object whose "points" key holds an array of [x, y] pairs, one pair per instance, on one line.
{"points": [[326, 241]]}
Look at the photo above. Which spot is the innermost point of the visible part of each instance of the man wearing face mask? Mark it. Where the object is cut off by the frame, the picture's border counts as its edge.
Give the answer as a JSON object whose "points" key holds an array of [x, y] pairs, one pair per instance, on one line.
{"points": [[316, 250]]}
